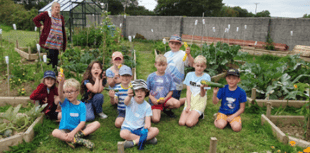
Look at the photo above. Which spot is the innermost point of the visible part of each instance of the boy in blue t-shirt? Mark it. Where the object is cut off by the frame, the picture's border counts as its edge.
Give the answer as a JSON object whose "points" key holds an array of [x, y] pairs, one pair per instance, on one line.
{"points": [[161, 87], [73, 115], [233, 102], [117, 98], [136, 129]]}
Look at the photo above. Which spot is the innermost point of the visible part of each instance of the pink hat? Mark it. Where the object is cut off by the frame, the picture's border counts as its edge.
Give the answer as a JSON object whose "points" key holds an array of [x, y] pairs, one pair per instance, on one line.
{"points": [[117, 54]]}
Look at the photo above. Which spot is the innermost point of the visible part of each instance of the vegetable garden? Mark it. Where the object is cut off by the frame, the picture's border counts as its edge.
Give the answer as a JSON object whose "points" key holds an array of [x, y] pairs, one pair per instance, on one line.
{"points": [[275, 78]]}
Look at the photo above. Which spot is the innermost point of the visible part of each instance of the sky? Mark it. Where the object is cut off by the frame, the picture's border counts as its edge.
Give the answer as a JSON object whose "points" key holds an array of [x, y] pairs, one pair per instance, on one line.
{"points": [[277, 8]]}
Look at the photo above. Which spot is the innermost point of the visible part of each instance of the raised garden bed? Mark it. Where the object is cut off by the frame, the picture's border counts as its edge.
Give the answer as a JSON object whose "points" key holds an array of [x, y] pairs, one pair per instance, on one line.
{"points": [[27, 55], [291, 125], [14, 101], [18, 138]]}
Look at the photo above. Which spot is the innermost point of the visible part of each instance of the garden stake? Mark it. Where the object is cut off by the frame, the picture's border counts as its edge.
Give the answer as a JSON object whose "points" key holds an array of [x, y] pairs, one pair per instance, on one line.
{"points": [[1, 36], [8, 71], [228, 33], [268, 109], [213, 144], [14, 26], [214, 34], [254, 49], [253, 95], [244, 36], [153, 36], [38, 48], [203, 23], [237, 29], [291, 36], [164, 41], [196, 21], [120, 147], [35, 28]]}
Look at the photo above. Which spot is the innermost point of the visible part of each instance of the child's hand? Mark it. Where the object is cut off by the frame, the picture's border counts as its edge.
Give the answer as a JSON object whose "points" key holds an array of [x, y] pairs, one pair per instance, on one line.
{"points": [[61, 77], [147, 126], [215, 90], [116, 78], [45, 100], [70, 136], [230, 118], [56, 99], [103, 75], [161, 100], [203, 86], [112, 93], [130, 92], [188, 51], [187, 109]]}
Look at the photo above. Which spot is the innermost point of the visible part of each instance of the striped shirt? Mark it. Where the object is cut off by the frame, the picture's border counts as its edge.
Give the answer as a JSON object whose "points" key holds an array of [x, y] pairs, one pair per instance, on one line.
{"points": [[55, 37], [121, 95]]}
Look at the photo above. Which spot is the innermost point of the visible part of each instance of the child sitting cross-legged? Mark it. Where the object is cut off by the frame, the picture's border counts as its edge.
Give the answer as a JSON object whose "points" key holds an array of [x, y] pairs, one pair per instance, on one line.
{"points": [[196, 96], [136, 128], [72, 126]]}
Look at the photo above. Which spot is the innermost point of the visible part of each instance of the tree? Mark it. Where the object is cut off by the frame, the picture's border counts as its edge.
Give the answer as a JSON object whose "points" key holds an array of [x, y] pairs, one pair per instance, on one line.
{"points": [[264, 13], [306, 16], [241, 12], [227, 11], [188, 8], [138, 10]]}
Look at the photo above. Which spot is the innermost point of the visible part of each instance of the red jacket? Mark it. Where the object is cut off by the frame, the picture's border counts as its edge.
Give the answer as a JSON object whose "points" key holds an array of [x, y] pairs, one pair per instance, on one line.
{"points": [[45, 18], [41, 93]]}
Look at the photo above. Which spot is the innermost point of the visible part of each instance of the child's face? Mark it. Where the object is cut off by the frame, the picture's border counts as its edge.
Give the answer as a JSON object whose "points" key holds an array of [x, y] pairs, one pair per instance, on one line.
{"points": [[139, 95], [125, 79], [96, 70], [161, 67], [117, 61], [232, 81], [199, 68], [175, 46], [71, 93], [49, 82]]}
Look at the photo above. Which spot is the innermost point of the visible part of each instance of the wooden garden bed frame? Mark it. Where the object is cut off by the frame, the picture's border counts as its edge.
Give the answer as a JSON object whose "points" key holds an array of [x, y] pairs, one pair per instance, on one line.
{"points": [[14, 101], [274, 120], [18, 138], [29, 56]]}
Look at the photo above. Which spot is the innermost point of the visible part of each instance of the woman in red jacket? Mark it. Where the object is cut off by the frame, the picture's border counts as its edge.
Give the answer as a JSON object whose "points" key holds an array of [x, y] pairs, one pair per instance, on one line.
{"points": [[47, 92], [53, 35]]}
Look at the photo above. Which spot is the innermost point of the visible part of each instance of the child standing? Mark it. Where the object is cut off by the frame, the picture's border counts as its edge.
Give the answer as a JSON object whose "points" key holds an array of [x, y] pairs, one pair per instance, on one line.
{"points": [[72, 126], [136, 128], [176, 65], [47, 92], [113, 71], [233, 102], [118, 98], [196, 97], [92, 86], [161, 87]]}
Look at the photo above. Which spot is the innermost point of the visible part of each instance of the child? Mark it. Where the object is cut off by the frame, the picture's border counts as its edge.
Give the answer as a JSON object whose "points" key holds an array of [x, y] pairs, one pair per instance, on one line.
{"points": [[161, 85], [176, 64], [92, 86], [136, 128], [113, 71], [233, 102], [196, 97], [72, 125], [118, 98], [47, 92]]}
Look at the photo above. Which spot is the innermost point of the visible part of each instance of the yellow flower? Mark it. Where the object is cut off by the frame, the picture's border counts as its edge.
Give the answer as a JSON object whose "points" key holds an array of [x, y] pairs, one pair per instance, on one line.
{"points": [[295, 86], [23, 73], [23, 89], [279, 151], [18, 79], [272, 147], [292, 143]]}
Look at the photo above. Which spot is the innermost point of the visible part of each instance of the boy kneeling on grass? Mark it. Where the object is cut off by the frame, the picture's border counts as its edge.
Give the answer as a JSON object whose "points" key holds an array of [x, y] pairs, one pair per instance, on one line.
{"points": [[72, 125], [233, 102], [136, 128]]}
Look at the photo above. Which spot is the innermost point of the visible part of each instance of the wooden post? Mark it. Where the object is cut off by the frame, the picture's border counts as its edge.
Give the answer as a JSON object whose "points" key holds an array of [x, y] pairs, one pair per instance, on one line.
{"points": [[120, 147], [16, 43], [8, 79], [134, 58], [253, 95], [213, 144], [29, 50], [268, 110]]}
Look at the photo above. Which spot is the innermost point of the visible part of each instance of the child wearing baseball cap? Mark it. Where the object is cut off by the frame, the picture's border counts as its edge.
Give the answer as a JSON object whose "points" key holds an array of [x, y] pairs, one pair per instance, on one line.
{"points": [[47, 92], [176, 66], [233, 102], [136, 129], [113, 71]]}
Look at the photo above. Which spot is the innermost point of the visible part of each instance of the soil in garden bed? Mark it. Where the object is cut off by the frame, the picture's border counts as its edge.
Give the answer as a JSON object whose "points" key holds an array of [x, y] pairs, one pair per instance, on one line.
{"points": [[294, 131]]}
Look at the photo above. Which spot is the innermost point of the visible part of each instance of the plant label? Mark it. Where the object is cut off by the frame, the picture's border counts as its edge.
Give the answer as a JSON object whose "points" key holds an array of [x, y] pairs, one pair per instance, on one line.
{"points": [[93, 14], [35, 28], [228, 26], [291, 33], [125, 16], [120, 25], [129, 38], [213, 29], [0, 31], [133, 37], [44, 58], [203, 21], [14, 26], [196, 21], [225, 30], [255, 43], [152, 30], [7, 59], [244, 26], [38, 47], [237, 29], [164, 41]]}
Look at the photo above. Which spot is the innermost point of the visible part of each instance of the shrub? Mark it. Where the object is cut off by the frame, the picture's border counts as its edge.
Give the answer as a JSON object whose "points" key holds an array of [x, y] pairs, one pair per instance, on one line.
{"points": [[139, 36]]}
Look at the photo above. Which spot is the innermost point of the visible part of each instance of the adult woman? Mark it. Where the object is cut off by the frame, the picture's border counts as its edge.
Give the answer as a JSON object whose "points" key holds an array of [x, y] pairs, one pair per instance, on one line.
{"points": [[53, 35]]}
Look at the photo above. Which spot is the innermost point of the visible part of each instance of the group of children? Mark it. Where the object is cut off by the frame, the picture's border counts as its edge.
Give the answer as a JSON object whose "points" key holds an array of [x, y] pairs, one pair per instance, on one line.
{"points": [[135, 115]]}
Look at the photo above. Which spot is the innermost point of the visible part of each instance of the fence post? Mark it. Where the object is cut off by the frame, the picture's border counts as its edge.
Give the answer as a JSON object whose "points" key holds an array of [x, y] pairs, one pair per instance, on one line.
{"points": [[16, 43], [253, 95], [120, 147], [268, 110], [213, 144]]}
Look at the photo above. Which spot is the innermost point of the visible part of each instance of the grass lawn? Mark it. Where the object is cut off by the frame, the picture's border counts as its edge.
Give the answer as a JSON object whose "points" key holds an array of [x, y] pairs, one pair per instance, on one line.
{"points": [[172, 138], [23, 37]]}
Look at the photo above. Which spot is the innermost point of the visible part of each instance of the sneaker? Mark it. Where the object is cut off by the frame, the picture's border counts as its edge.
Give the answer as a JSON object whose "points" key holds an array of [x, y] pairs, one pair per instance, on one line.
{"points": [[102, 115], [214, 116], [88, 144], [169, 113], [202, 116], [129, 144], [71, 144], [152, 141]]}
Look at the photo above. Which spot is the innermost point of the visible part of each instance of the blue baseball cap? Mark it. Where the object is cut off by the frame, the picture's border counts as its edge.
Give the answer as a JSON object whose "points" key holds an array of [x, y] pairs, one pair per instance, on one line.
{"points": [[176, 38], [125, 70], [49, 74]]}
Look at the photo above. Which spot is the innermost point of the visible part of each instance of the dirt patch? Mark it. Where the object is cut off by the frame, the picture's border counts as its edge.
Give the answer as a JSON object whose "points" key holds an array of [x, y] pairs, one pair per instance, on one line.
{"points": [[294, 131], [14, 92]]}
